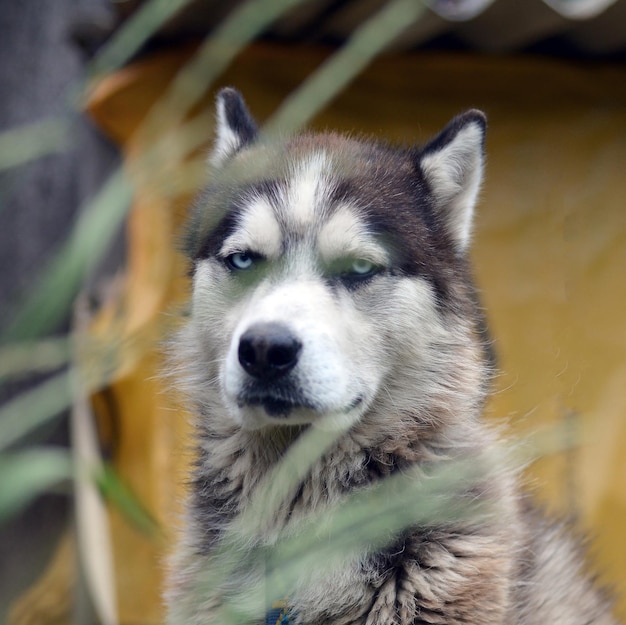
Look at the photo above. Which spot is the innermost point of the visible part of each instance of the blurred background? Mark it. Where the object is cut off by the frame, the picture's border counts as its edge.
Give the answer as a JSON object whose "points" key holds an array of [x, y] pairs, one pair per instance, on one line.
{"points": [[105, 117]]}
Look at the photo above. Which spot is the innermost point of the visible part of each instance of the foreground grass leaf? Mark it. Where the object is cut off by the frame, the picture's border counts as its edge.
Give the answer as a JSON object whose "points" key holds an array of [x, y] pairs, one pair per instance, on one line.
{"points": [[50, 300], [26, 143], [119, 494], [27, 474], [364, 45], [133, 34], [34, 408], [34, 357]]}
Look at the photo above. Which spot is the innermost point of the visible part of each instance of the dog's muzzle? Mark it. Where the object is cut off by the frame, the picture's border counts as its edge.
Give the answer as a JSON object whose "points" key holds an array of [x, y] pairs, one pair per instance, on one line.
{"points": [[268, 352]]}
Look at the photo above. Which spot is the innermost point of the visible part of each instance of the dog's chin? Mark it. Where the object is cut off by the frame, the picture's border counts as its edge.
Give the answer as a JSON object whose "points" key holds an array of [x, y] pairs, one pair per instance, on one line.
{"points": [[280, 409], [274, 412]]}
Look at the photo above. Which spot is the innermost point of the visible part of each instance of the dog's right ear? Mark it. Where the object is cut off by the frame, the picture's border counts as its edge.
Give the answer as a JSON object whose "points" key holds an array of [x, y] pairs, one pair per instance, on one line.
{"points": [[452, 164], [235, 126]]}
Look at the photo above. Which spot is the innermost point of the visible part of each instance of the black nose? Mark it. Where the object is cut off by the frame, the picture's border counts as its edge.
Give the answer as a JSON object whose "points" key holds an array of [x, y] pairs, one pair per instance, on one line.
{"points": [[268, 350]]}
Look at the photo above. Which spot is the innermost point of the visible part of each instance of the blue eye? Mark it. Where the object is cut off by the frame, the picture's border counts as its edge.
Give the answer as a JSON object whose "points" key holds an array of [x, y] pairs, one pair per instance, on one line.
{"points": [[241, 261], [355, 271], [362, 267]]}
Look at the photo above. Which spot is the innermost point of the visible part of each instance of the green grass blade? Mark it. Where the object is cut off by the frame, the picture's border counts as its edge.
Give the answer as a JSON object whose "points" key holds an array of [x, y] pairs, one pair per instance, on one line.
{"points": [[133, 34], [367, 42], [33, 357], [34, 408], [90, 238], [29, 474], [118, 493], [240, 27], [29, 142]]}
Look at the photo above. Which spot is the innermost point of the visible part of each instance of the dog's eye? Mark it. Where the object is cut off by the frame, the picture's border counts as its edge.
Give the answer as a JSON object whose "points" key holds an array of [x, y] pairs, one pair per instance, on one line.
{"points": [[241, 261], [362, 267], [356, 271]]}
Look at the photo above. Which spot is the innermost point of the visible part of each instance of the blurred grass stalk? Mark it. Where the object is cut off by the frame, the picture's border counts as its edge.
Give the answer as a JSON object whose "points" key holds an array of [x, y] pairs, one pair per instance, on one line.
{"points": [[128, 39], [363, 46], [95, 544], [32, 141]]}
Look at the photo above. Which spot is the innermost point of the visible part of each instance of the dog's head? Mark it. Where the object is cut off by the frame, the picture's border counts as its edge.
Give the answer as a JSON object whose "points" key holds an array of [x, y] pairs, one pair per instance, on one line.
{"points": [[330, 274]]}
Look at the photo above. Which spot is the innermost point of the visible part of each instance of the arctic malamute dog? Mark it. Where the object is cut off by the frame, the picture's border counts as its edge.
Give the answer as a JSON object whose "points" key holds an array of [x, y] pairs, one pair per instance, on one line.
{"points": [[331, 289]]}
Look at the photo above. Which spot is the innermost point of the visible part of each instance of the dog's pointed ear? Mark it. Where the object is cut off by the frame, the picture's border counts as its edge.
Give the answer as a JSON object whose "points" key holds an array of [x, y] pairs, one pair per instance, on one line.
{"points": [[452, 165], [235, 126]]}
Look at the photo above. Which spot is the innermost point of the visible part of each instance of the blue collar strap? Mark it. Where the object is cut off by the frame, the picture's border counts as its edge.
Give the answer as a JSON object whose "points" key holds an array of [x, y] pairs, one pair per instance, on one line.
{"points": [[278, 614]]}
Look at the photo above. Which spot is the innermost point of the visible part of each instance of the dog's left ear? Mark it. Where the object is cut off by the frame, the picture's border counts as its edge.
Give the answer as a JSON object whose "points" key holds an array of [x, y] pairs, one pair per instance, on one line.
{"points": [[235, 126], [452, 165]]}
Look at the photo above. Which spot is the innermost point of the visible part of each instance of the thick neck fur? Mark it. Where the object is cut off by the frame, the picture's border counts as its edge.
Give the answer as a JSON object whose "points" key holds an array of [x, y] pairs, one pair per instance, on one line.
{"points": [[232, 462]]}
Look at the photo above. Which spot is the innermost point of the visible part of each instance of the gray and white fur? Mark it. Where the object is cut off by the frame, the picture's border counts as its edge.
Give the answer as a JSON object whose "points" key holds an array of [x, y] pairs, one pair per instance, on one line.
{"points": [[331, 283]]}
